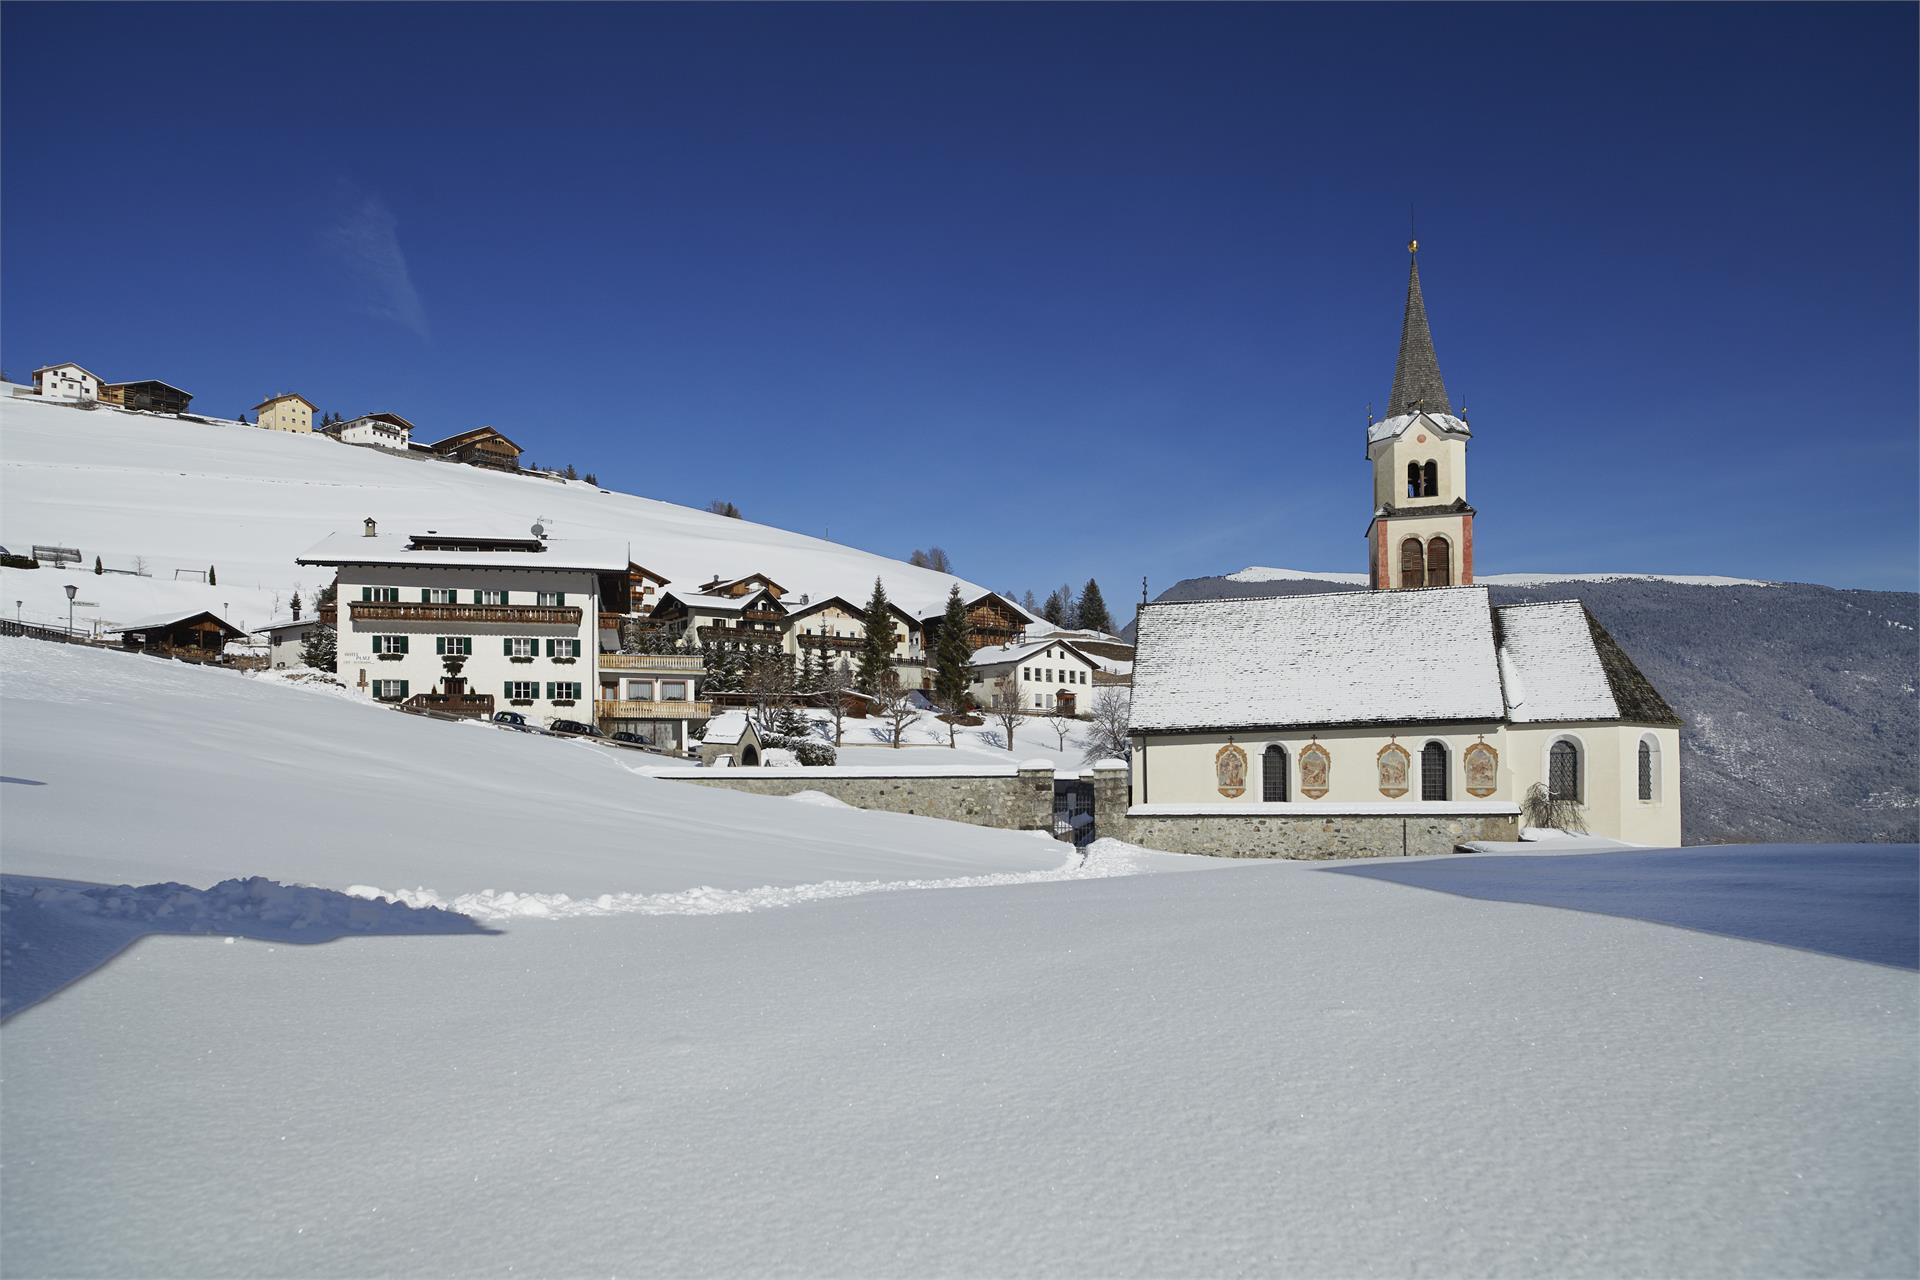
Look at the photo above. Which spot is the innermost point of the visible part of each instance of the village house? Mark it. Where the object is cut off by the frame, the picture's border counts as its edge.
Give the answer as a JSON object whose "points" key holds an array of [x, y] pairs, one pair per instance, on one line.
{"points": [[992, 619], [1044, 676], [480, 447], [656, 695], [286, 639], [518, 614], [377, 430], [1404, 719], [65, 382], [196, 636], [753, 619], [146, 395], [834, 629], [284, 413]]}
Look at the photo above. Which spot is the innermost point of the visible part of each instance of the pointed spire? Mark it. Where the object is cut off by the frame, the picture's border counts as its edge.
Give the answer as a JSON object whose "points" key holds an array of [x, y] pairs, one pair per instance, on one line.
{"points": [[1417, 386]]}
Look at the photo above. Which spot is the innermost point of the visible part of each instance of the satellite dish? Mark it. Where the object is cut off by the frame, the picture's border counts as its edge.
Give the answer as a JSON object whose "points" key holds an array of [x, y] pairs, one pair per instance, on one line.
{"points": [[539, 530]]}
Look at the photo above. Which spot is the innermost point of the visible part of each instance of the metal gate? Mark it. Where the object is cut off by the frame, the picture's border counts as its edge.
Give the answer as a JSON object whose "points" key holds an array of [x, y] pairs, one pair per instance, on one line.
{"points": [[1073, 812]]}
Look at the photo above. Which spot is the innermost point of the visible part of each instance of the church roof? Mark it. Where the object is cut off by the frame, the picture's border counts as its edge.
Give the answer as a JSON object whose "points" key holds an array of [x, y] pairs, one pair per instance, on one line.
{"points": [[1417, 385], [1343, 658], [1381, 657]]}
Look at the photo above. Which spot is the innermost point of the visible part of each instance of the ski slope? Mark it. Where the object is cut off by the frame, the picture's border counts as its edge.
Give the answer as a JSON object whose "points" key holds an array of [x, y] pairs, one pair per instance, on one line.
{"points": [[186, 495]]}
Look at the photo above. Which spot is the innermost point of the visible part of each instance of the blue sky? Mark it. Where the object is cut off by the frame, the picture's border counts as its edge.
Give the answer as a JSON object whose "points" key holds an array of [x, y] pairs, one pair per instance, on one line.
{"points": [[1068, 290]]}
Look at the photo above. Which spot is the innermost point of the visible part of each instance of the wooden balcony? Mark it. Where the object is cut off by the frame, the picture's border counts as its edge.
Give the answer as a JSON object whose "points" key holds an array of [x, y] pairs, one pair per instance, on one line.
{"points": [[668, 662], [654, 709], [762, 615], [721, 634], [544, 615], [828, 642]]}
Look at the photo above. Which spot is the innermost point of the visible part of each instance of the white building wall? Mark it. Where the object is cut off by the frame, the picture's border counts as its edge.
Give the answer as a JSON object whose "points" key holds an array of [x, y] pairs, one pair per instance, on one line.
{"points": [[1609, 776], [1180, 768], [66, 382], [489, 668], [1039, 680], [383, 435]]}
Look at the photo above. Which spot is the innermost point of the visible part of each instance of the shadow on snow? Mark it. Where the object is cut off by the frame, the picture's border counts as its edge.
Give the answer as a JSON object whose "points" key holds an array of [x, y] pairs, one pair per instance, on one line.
{"points": [[1860, 902]]}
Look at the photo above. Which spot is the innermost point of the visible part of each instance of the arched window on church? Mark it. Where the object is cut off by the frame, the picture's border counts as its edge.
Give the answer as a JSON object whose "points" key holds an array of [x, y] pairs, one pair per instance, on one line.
{"points": [[1413, 479], [1649, 768], [1273, 774], [1439, 562], [1433, 772], [1430, 480], [1563, 771], [1413, 564]]}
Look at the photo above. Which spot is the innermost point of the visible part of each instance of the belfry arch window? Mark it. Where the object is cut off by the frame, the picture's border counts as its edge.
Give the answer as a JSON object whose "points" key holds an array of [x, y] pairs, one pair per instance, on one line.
{"points": [[1439, 562], [1430, 480], [1413, 564], [1563, 771], [1433, 771], [1273, 774]]}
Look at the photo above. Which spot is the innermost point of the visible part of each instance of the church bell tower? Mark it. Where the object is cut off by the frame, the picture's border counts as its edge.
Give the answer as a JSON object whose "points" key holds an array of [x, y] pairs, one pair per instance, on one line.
{"points": [[1422, 529]]}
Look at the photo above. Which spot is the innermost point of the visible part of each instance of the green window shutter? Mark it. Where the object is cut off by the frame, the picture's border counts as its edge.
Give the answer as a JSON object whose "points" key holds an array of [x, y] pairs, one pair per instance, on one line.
{"points": [[549, 691], [366, 593], [425, 595], [509, 688], [440, 645], [559, 597], [476, 596], [403, 688], [506, 647], [549, 648]]}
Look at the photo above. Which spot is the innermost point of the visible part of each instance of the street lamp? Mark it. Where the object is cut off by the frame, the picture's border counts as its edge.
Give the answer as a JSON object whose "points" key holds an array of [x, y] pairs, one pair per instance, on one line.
{"points": [[72, 591]]}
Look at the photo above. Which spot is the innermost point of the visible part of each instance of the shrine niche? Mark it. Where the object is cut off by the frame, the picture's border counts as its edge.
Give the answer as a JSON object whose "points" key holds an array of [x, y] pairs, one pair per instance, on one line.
{"points": [[1394, 769], [1316, 766], [1482, 765], [1230, 771]]}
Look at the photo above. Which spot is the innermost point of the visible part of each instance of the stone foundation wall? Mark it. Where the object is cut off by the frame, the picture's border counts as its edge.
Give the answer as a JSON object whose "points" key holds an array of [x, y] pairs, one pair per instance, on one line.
{"points": [[1304, 835], [1021, 801]]}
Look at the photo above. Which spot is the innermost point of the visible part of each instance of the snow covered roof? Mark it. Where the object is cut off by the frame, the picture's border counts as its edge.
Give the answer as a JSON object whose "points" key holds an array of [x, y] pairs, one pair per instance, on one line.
{"points": [[1392, 428], [160, 621], [388, 548], [728, 727], [1370, 657], [711, 603], [47, 368], [1558, 664], [284, 624], [1000, 654]]}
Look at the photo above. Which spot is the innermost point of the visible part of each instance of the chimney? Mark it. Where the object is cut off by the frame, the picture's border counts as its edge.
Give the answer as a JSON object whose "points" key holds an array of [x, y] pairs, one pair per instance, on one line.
{"points": [[371, 532]]}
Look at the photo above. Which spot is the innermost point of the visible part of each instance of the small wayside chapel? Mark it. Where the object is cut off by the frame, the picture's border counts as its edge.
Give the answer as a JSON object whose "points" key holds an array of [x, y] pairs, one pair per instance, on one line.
{"points": [[1407, 718]]}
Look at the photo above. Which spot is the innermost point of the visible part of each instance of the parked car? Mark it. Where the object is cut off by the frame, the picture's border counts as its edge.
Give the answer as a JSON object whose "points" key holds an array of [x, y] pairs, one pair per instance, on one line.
{"points": [[513, 720], [628, 738], [573, 729]]}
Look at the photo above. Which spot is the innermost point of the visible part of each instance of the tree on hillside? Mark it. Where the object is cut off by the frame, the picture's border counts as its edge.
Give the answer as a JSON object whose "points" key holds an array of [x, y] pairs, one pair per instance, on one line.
{"points": [[212, 580], [721, 507], [896, 708], [320, 649], [836, 679], [295, 604], [591, 479], [1055, 609], [876, 647], [1062, 724], [952, 653], [1028, 603], [918, 559], [328, 594], [1006, 707], [1107, 725], [1093, 615], [97, 569], [1069, 607]]}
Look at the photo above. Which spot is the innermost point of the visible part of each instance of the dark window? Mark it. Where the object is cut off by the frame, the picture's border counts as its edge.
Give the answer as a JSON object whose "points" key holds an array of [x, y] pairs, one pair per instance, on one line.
{"points": [[1430, 474], [1563, 771], [1413, 564], [1646, 771], [1433, 772], [1273, 773], [1413, 479], [1439, 562]]}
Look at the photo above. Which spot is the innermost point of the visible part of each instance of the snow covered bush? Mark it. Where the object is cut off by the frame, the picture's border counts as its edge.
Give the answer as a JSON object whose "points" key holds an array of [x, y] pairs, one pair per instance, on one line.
{"points": [[807, 750]]}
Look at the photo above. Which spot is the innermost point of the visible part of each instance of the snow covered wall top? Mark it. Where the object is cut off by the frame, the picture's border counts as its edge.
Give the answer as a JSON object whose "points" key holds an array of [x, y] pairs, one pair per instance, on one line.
{"points": [[184, 495]]}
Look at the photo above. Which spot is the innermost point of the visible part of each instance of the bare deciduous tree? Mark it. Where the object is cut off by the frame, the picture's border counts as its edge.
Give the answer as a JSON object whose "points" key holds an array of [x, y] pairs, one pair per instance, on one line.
{"points": [[1107, 725], [1062, 724], [836, 679], [896, 708], [1006, 707]]}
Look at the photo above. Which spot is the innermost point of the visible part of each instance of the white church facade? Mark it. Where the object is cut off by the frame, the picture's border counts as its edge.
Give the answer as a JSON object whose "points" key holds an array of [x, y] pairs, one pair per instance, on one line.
{"points": [[1407, 718]]}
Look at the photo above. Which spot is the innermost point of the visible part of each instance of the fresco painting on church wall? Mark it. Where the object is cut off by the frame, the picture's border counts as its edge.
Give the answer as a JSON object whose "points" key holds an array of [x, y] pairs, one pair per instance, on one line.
{"points": [[1482, 765], [1394, 762], [1230, 768], [1315, 766]]}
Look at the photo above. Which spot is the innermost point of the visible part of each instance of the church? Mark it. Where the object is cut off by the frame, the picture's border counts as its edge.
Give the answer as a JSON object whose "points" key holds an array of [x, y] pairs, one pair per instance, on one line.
{"points": [[1407, 718]]}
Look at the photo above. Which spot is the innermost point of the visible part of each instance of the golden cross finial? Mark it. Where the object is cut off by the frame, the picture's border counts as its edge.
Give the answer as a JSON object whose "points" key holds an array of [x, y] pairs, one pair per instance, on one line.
{"points": [[1413, 246]]}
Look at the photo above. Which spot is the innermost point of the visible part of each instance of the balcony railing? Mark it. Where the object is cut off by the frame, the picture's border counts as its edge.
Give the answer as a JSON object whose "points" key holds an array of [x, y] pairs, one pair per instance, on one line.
{"points": [[637, 709], [763, 615], [552, 615], [723, 634], [829, 642], [691, 662]]}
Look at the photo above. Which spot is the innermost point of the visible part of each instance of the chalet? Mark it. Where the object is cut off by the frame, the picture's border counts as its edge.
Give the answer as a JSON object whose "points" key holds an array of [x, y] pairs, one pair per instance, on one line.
{"points": [[743, 586], [754, 620], [286, 639], [656, 695], [65, 382], [376, 430], [148, 395], [200, 636], [284, 413], [836, 628], [1046, 675], [480, 447], [992, 619], [512, 616]]}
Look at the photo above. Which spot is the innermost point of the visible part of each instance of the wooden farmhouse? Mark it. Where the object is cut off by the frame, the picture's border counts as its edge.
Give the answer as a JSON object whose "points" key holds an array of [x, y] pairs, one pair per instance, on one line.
{"points": [[148, 395], [480, 447]]}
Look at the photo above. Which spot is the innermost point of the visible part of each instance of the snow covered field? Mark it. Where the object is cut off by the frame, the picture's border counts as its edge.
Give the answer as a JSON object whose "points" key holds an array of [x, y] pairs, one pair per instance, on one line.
{"points": [[1020, 1066]]}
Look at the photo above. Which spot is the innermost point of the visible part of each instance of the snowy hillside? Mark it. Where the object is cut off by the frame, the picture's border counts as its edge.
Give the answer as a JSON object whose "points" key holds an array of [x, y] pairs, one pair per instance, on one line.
{"points": [[1799, 700], [185, 496], [954, 1051]]}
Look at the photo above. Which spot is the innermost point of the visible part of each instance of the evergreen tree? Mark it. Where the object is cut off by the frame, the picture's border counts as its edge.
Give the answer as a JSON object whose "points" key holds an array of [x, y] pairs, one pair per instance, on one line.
{"points": [[320, 649], [876, 650], [1093, 609], [919, 560], [1053, 610], [296, 605], [97, 569], [328, 594], [1069, 610], [591, 479], [952, 653], [570, 473], [212, 580]]}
